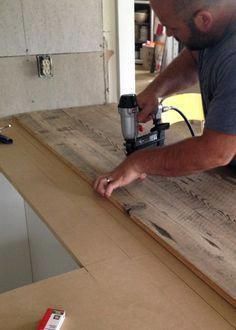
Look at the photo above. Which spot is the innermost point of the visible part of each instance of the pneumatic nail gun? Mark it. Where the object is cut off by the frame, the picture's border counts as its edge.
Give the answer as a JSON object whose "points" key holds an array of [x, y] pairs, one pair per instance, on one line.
{"points": [[128, 109]]}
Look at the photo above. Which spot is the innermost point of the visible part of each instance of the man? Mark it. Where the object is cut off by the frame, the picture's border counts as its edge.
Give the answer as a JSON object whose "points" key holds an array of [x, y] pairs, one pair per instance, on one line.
{"points": [[208, 30]]}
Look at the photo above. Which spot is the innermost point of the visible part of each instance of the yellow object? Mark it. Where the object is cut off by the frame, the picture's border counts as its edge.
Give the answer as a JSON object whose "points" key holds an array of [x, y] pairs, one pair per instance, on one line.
{"points": [[189, 103]]}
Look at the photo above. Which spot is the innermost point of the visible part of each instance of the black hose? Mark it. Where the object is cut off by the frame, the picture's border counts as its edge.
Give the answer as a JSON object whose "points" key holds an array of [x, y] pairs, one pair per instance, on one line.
{"points": [[185, 119]]}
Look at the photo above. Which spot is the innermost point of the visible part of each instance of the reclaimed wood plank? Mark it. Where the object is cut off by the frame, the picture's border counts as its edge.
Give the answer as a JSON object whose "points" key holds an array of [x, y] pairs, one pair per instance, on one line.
{"points": [[194, 216]]}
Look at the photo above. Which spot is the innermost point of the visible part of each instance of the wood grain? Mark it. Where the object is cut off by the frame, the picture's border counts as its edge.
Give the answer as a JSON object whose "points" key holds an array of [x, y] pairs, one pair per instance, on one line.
{"points": [[194, 217]]}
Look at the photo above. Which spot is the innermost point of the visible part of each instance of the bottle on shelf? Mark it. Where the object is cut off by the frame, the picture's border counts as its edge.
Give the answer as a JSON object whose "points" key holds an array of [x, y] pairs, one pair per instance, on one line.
{"points": [[144, 33], [159, 41]]}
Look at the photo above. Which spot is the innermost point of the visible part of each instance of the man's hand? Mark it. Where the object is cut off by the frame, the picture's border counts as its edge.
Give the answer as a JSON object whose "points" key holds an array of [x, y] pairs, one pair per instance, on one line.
{"points": [[210, 150], [148, 102], [122, 175], [179, 75]]}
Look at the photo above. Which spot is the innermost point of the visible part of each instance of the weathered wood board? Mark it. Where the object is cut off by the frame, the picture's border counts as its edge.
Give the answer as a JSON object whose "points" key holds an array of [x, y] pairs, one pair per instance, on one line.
{"points": [[193, 216]]}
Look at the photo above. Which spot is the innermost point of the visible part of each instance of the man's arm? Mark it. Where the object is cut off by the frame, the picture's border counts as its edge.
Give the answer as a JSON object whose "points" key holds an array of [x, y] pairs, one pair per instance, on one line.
{"points": [[211, 150], [180, 74]]}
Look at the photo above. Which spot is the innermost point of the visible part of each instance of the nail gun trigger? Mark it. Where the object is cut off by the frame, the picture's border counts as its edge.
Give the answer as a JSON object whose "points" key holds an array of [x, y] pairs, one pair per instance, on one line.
{"points": [[140, 128]]}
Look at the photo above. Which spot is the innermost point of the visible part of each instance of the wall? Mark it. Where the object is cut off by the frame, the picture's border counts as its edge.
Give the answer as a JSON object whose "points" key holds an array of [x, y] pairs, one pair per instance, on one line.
{"points": [[72, 33], [126, 42], [118, 31], [110, 45]]}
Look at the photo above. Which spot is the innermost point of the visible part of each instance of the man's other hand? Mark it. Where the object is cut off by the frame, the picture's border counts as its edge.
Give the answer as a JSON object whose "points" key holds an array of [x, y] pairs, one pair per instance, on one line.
{"points": [[122, 175]]}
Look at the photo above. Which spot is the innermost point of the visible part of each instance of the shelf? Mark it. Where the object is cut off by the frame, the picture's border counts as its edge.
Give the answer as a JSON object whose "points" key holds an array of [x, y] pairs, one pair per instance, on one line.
{"points": [[138, 61], [142, 2], [145, 23], [149, 23]]}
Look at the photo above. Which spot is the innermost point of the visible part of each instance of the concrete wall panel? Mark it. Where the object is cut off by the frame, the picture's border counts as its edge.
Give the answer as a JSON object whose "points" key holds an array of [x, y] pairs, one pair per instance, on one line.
{"points": [[11, 29], [63, 26], [78, 80]]}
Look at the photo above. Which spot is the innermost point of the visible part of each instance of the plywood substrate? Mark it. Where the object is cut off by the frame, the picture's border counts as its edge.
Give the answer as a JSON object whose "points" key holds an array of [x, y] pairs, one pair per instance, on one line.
{"points": [[194, 217]]}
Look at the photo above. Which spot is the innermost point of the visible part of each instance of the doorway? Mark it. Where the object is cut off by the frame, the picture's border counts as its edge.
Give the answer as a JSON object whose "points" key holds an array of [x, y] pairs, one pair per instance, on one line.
{"points": [[133, 77]]}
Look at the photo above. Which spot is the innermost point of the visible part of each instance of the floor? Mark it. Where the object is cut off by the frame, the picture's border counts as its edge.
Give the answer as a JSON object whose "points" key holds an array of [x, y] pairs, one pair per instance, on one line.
{"points": [[144, 77]]}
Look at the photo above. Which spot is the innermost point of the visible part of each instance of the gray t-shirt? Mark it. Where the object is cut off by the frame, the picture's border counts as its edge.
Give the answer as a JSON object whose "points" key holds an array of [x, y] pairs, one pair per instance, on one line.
{"points": [[217, 76]]}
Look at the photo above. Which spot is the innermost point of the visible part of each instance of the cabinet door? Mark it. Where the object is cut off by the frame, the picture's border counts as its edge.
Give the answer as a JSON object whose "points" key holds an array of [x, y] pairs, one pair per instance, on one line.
{"points": [[15, 268]]}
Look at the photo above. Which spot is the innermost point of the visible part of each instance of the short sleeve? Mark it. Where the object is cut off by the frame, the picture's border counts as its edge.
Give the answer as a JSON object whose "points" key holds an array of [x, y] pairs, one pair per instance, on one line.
{"points": [[221, 112]]}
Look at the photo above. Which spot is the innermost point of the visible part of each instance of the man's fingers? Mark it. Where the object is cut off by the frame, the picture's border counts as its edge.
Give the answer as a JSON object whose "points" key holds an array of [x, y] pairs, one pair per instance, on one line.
{"points": [[100, 187], [96, 183], [101, 183], [111, 187], [145, 116], [143, 176], [105, 185]]}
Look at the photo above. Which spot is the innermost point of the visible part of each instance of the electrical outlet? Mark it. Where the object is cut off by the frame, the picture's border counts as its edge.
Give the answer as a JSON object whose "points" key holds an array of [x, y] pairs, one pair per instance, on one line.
{"points": [[44, 63]]}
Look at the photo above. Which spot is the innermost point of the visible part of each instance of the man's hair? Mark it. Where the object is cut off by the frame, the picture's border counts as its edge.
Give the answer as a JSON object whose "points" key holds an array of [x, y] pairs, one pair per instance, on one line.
{"points": [[185, 8], [180, 4]]}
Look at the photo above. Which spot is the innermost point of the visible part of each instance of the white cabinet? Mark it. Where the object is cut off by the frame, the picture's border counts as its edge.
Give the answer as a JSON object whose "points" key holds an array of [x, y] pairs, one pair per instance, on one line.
{"points": [[15, 266], [29, 252]]}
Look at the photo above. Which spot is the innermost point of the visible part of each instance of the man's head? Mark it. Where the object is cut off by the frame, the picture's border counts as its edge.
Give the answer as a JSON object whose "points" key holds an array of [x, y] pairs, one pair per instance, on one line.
{"points": [[197, 23]]}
